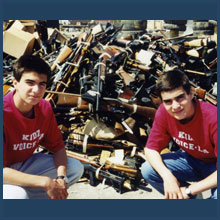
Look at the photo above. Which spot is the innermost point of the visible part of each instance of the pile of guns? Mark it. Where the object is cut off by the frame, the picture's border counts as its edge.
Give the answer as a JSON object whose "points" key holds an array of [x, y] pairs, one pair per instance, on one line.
{"points": [[103, 95]]}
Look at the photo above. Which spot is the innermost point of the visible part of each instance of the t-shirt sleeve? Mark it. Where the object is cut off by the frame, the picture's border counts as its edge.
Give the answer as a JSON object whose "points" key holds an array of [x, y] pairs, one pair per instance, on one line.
{"points": [[159, 138], [52, 139]]}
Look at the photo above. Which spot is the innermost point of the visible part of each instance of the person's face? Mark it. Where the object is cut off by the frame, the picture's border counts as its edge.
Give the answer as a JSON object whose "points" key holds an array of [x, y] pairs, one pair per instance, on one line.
{"points": [[178, 103], [31, 87]]}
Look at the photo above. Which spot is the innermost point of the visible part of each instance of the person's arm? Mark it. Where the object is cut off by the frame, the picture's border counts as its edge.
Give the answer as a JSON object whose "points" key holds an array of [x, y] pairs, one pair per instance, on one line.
{"points": [[171, 184], [14, 177], [52, 188], [203, 185], [56, 189], [60, 160]]}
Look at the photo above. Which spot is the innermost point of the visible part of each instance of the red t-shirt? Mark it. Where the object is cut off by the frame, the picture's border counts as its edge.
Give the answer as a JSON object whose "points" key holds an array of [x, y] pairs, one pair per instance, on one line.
{"points": [[21, 135], [197, 137]]}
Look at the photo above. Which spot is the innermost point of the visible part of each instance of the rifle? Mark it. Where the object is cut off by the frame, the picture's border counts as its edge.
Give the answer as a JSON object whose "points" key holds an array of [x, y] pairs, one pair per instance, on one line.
{"points": [[123, 58], [199, 92], [108, 166], [71, 67], [118, 182], [109, 35], [134, 45], [137, 65], [101, 75], [203, 94], [74, 100], [133, 108], [127, 178], [126, 76], [171, 49], [70, 99], [93, 95], [77, 139], [64, 53]]}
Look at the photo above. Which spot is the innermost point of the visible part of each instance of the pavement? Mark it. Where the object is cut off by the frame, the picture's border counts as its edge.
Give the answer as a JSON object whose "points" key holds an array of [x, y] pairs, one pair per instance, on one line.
{"points": [[83, 190]]}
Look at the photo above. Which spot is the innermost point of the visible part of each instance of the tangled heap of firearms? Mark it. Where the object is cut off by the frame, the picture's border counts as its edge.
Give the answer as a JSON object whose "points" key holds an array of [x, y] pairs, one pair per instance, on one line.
{"points": [[103, 94]]}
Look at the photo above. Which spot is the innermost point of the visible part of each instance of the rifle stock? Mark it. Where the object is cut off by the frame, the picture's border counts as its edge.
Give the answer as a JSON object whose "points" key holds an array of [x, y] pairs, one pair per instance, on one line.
{"points": [[75, 59], [64, 53], [203, 94], [141, 110], [126, 77], [85, 159], [117, 181], [138, 66]]}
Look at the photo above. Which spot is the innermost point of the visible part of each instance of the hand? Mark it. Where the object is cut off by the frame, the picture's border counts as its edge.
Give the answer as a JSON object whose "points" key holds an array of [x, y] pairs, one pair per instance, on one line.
{"points": [[172, 189], [185, 196], [62, 182], [56, 189]]}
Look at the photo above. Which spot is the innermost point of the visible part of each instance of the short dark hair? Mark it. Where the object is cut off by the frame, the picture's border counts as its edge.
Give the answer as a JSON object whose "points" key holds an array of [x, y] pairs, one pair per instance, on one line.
{"points": [[172, 80], [30, 63]]}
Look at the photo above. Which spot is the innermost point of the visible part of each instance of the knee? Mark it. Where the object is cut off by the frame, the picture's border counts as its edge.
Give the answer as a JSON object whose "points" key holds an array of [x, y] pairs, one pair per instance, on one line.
{"points": [[75, 168], [146, 170], [80, 169], [14, 192]]}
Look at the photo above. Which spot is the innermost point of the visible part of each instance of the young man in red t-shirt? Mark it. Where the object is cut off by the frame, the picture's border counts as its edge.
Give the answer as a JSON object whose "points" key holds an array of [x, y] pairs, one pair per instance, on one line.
{"points": [[192, 125], [28, 121]]}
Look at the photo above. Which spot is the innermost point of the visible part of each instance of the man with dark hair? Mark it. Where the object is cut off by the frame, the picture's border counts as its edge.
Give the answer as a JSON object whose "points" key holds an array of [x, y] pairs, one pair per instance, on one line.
{"points": [[191, 124], [28, 121]]}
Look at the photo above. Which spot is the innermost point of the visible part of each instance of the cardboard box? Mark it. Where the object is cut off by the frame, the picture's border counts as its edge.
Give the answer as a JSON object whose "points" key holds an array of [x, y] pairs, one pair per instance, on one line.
{"points": [[29, 27], [60, 36], [5, 25], [36, 35], [24, 26], [27, 21], [17, 42], [17, 24]]}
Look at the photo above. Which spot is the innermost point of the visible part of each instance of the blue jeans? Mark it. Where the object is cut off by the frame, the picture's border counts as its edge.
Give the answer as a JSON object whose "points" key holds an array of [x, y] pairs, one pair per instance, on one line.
{"points": [[40, 164], [184, 167]]}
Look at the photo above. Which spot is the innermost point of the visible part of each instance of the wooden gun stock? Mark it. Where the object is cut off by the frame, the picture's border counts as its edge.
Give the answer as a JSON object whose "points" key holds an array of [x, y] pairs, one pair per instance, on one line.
{"points": [[209, 98], [138, 66], [141, 110], [85, 159], [126, 77], [196, 43], [64, 53], [202, 94], [69, 99]]}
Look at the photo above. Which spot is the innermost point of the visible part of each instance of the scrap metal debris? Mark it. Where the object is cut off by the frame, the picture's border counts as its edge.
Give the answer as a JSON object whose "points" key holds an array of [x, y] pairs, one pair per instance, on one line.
{"points": [[102, 89]]}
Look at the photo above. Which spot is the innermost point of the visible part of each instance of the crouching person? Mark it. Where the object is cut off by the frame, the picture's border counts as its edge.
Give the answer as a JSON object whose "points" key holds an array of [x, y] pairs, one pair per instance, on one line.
{"points": [[28, 121], [190, 123]]}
